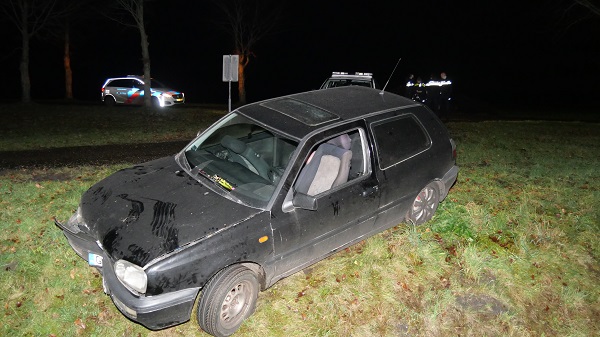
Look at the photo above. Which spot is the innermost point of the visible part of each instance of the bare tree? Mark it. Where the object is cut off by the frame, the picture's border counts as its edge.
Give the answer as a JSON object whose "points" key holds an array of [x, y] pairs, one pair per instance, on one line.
{"points": [[573, 12], [248, 22], [67, 63], [74, 14], [30, 17], [136, 9], [594, 8]]}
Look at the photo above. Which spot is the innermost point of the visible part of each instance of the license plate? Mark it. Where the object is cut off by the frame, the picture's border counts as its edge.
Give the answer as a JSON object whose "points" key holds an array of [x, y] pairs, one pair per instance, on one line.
{"points": [[95, 260]]}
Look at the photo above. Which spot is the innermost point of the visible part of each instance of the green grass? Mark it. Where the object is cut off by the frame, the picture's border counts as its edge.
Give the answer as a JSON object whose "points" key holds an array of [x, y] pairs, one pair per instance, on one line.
{"points": [[35, 126], [512, 251]]}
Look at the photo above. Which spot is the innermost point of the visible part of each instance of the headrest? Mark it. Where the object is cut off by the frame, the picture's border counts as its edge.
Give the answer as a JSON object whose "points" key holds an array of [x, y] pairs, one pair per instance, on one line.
{"points": [[233, 144], [342, 141]]}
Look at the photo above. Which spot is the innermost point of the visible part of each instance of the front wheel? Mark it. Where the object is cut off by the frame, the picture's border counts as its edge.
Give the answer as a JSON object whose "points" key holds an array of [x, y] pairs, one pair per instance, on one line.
{"points": [[227, 300], [424, 205]]}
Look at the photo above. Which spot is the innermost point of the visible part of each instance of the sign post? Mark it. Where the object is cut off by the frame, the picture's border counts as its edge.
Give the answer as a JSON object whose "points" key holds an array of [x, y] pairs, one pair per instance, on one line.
{"points": [[230, 71]]}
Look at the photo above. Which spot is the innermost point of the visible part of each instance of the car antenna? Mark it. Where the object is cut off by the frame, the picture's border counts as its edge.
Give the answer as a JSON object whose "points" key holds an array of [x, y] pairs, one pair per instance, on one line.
{"points": [[388, 81]]}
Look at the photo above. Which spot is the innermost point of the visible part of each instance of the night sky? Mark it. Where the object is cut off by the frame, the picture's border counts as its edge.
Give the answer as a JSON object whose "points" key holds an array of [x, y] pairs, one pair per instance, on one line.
{"points": [[510, 52]]}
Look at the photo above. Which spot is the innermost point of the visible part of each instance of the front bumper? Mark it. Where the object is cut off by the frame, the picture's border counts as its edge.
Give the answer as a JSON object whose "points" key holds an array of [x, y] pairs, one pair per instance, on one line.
{"points": [[172, 100], [153, 312]]}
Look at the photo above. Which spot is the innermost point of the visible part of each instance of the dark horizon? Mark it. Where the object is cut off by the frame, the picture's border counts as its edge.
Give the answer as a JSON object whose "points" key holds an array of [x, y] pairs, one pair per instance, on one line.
{"points": [[510, 54]]}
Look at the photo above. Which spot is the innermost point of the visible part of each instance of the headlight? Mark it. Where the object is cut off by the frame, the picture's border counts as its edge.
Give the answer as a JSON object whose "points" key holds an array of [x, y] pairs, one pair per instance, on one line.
{"points": [[167, 95], [131, 276]]}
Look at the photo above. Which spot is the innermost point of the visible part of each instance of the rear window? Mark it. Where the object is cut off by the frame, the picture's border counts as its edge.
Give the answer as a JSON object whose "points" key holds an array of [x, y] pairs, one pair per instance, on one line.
{"points": [[398, 139]]}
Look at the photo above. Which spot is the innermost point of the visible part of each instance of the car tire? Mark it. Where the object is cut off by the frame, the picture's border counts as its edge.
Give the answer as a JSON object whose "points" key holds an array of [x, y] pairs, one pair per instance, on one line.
{"points": [[227, 300], [425, 204], [109, 101]]}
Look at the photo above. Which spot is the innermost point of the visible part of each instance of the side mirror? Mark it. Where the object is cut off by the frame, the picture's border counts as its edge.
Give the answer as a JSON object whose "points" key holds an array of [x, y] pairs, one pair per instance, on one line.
{"points": [[304, 201]]}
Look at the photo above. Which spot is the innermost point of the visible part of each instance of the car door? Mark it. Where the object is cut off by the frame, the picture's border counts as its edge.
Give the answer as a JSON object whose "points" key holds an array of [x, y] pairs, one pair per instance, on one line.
{"points": [[403, 161], [120, 89], [135, 93], [341, 215]]}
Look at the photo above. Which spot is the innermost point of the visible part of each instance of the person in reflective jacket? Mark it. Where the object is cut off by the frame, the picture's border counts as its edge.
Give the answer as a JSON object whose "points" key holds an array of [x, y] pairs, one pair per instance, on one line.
{"points": [[409, 88], [419, 94], [433, 93], [445, 94]]}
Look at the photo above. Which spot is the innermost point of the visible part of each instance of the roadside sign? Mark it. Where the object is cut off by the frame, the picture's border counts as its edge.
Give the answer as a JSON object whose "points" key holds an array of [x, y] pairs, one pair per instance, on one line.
{"points": [[230, 68]]}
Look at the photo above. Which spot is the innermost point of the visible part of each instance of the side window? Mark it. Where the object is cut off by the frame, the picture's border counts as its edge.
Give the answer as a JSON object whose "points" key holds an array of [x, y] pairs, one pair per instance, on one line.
{"points": [[332, 163], [120, 83], [398, 139]]}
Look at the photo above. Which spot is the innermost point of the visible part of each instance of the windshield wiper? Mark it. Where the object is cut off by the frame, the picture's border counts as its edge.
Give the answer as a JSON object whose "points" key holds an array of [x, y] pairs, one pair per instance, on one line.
{"points": [[218, 181]]}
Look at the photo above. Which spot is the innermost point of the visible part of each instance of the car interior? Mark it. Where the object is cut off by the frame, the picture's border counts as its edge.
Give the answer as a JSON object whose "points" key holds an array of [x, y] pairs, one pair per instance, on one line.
{"points": [[327, 167], [333, 163]]}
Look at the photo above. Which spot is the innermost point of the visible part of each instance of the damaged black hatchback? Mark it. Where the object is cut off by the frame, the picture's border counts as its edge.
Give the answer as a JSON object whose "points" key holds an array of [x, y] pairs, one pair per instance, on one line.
{"points": [[268, 190]]}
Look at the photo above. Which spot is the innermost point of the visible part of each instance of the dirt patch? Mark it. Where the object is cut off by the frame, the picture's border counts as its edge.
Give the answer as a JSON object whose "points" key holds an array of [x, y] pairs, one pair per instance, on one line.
{"points": [[481, 304]]}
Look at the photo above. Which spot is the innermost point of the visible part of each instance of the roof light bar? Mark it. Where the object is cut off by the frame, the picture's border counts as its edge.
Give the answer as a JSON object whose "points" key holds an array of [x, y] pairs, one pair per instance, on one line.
{"points": [[344, 73]]}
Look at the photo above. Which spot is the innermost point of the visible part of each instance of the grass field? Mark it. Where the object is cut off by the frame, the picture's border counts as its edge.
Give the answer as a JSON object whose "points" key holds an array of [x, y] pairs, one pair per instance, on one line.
{"points": [[35, 126], [513, 251]]}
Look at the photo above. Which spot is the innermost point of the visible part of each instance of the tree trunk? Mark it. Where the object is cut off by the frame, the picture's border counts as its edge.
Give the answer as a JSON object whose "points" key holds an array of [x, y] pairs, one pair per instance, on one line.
{"points": [[242, 77], [145, 55], [67, 63], [24, 64]]}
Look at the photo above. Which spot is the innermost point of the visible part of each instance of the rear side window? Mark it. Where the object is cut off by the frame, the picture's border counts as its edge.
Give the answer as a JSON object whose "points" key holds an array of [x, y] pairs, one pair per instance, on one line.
{"points": [[120, 83], [398, 139]]}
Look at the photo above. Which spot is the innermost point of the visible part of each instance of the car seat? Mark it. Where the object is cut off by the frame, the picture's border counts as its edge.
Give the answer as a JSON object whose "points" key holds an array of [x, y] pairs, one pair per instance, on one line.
{"points": [[327, 167], [245, 155]]}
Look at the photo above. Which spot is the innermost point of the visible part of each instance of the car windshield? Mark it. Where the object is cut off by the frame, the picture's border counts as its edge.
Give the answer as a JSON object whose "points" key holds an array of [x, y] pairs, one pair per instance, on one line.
{"points": [[243, 158]]}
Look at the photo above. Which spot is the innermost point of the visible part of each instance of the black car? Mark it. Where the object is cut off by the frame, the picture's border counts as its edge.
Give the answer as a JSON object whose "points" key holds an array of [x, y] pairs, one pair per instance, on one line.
{"points": [[268, 190]]}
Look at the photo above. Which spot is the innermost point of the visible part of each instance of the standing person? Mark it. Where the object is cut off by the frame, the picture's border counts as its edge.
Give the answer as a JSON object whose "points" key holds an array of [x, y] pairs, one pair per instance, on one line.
{"points": [[433, 93], [419, 93], [445, 94], [409, 88]]}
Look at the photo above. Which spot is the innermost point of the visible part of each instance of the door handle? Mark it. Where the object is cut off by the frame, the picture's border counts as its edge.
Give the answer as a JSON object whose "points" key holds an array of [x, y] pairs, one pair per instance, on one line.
{"points": [[370, 190]]}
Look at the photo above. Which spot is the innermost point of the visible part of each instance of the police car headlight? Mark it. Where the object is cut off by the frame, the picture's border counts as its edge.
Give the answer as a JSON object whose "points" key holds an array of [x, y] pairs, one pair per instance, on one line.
{"points": [[167, 95], [131, 276]]}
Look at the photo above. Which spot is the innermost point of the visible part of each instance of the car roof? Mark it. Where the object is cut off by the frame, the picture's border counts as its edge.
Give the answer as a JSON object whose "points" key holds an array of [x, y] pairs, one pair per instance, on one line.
{"points": [[299, 114], [128, 77]]}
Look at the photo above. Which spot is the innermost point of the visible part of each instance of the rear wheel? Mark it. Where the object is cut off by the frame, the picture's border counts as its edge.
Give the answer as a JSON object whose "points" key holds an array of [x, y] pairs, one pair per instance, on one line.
{"points": [[424, 205], [109, 101], [227, 300]]}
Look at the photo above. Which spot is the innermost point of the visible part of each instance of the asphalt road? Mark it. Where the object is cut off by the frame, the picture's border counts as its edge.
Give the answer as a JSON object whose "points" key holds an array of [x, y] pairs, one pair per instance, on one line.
{"points": [[139, 153], [89, 155]]}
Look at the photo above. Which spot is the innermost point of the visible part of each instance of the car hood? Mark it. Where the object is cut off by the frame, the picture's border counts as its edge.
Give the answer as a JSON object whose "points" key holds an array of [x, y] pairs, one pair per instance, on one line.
{"points": [[143, 212]]}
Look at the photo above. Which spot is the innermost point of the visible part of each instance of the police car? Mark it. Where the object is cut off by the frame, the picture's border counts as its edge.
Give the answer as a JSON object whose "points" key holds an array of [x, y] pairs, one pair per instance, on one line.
{"points": [[342, 79], [130, 90]]}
